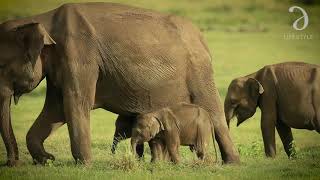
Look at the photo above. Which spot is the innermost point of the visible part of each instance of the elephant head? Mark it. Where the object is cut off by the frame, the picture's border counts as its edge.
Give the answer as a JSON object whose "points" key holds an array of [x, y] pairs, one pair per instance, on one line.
{"points": [[146, 128], [242, 99], [21, 70]]}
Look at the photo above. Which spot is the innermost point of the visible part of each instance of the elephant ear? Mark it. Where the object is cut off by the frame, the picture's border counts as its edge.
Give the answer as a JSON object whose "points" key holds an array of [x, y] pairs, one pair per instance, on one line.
{"points": [[156, 119], [255, 88], [32, 38]]}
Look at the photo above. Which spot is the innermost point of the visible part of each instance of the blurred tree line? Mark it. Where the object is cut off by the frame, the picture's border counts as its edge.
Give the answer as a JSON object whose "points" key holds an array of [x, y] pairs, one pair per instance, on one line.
{"points": [[308, 2]]}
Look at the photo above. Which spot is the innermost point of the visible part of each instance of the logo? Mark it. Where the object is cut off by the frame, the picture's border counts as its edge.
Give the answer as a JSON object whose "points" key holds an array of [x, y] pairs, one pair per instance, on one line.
{"points": [[305, 18]]}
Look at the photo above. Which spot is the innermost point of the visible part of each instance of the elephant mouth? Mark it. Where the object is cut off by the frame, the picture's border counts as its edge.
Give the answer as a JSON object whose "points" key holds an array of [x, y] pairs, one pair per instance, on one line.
{"points": [[16, 98], [241, 118]]}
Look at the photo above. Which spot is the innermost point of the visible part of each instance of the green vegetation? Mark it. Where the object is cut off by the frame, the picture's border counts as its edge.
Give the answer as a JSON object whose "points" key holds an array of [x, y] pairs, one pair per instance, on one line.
{"points": [[243, 36]]}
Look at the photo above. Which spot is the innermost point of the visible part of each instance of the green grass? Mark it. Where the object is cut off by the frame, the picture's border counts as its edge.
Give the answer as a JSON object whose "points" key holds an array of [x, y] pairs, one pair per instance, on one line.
{"points": [[243, 36]]}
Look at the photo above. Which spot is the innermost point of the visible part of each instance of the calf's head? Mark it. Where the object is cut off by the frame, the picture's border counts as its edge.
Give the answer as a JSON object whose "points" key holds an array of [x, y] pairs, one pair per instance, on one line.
{"points": [[242, 99], [146, 128]]}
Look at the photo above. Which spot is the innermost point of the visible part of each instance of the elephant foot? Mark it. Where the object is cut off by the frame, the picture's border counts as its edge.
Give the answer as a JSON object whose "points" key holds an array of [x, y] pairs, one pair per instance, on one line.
{"points": [[13, 163], [42, 159], [86, 163]]}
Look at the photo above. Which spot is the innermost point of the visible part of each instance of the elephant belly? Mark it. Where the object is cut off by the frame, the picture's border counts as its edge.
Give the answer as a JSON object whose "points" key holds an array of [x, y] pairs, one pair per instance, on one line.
{"points": [[120, 98], [296, 102], [299, 117], [189, 134]]}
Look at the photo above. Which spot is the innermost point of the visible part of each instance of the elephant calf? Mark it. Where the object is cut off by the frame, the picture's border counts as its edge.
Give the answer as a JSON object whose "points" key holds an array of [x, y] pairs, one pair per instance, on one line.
{"points": [[288, 95], [182, 124]]}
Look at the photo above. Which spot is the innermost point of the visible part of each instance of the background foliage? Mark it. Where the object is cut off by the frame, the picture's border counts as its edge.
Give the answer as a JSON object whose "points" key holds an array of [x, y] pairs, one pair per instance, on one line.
{"points": [[243, 36]]}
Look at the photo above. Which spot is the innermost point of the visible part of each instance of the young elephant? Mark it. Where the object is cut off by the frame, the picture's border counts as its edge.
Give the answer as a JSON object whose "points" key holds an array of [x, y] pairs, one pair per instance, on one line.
{"points": [[288, 95], [182, 124], [123, 130]]}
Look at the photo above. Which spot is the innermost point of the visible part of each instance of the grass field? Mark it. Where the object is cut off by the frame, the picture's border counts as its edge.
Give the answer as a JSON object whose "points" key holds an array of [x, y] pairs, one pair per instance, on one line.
{"points": [[243, 36]]}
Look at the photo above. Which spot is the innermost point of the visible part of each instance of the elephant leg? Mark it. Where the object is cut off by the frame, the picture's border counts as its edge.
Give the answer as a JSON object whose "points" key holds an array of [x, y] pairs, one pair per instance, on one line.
{"points": [[204, 93], [172, 143], [123, 130], [155, 149], [50, 119], [174, 153], [77, 113], [165, 153], [268, 133], [78, 100], [285, 134], [7, 132], [316, 106]]}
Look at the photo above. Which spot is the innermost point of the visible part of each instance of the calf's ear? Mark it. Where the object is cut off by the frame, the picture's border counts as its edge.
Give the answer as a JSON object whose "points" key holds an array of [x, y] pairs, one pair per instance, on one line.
{"points": [[255, 88], [158, 121]]}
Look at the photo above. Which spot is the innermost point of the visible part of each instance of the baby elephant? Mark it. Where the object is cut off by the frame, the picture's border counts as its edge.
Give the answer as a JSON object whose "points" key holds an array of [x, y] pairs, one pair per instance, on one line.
{"points": [[124, 125], [288, 95], [182, 124]]}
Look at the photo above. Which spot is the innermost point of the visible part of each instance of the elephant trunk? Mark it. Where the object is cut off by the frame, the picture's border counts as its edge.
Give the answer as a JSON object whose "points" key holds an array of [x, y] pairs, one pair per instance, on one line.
{"points": [[229, 113], [7, 132], [229, 116]]}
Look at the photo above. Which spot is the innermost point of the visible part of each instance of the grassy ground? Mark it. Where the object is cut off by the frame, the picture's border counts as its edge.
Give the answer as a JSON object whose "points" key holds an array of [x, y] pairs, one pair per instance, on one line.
{"points": [[243, 37]]}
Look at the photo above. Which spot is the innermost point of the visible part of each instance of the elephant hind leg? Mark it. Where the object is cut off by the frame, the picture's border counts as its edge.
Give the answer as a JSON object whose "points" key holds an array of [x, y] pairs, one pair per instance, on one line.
{"points": [[286, 137], [201, 141], [50, 119], [204, 93], [316, 99], [40, 130], [316, 106]]}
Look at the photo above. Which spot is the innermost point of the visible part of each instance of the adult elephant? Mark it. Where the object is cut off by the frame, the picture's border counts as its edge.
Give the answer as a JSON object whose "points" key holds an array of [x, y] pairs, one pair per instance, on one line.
{"points": [[124, 59]]}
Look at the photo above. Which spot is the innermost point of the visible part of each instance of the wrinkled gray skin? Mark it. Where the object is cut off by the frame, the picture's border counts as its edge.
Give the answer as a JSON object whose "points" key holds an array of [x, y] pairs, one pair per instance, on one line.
{"points": [[123, 59], [288, 95], [181, 124]]}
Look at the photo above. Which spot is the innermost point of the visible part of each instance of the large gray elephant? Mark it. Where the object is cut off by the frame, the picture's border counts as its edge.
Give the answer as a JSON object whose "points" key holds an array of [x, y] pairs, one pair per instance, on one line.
{"points": [[288, 95], [123, 59]]}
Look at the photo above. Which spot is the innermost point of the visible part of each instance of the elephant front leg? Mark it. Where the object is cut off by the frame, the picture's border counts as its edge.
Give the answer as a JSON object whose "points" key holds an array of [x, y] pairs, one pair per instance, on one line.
{"points": [[285, 134], [174, 153], [78, 121], [268, 133], [50, 119], [78, 100], [172, 142], [7, 132], [156, 150]]}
